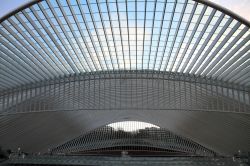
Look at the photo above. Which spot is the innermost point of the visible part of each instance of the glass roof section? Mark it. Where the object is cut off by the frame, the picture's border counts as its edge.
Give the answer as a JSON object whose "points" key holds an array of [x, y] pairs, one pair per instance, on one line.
{"points": [[131, 126], [57, 38]]}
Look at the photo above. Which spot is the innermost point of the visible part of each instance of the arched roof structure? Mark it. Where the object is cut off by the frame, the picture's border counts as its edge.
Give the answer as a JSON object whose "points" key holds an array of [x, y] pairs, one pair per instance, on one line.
{"points": [[67, 66], [54, 39]]}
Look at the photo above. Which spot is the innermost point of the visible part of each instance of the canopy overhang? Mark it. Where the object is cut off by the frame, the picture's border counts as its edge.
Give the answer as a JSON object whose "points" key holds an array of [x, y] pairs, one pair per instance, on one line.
{"points": [[69, 67]]}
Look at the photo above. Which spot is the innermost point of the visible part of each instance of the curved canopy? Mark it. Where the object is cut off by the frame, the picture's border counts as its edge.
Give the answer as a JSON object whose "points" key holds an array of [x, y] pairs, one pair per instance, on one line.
{"points": [[132, 136], [50, 39], [79, 59]]}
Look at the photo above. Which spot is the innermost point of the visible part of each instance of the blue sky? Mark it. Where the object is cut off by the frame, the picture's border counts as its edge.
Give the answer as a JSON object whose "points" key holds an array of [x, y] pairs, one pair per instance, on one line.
{"points": [[9, 5]]}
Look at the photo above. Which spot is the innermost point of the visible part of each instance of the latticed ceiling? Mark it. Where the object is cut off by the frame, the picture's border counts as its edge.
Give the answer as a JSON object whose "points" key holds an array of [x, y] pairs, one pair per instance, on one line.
{"points": [[69, 67], [117, 137], [57, 38]]}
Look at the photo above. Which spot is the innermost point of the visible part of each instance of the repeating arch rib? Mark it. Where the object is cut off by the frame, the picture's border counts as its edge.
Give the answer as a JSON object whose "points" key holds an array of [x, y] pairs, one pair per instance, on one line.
{"points": [[85, 57], [58, 38]]}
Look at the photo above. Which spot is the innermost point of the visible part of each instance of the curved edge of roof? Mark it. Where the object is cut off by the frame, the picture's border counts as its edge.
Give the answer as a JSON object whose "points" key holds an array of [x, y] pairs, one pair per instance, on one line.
{"points": [[205, 2], [225, 10], [18, 9]]}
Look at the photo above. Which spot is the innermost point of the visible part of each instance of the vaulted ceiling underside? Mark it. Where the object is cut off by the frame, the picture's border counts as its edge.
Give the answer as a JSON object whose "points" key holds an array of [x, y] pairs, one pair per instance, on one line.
{"points": [[69, 67]]}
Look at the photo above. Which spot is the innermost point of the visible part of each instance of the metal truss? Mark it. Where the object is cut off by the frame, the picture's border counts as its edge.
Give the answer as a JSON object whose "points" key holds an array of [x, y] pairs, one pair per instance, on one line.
{"points": [[130, 90], [147, 139], [124, 55], [51, 39]]}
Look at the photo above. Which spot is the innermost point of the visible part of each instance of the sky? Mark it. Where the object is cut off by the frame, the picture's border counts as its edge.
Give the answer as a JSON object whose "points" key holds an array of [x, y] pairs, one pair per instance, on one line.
{"points": [[9, 5], [130, 126], [239, 7]]}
